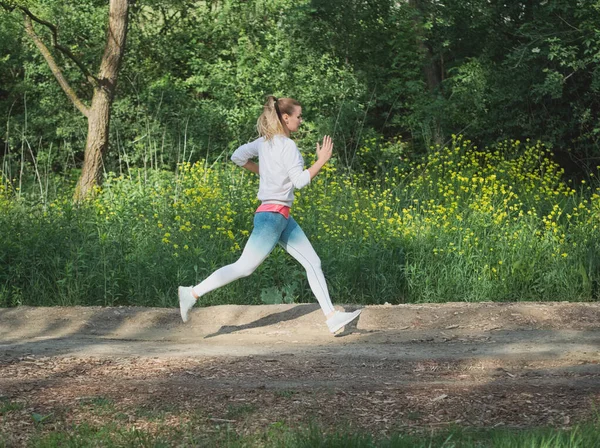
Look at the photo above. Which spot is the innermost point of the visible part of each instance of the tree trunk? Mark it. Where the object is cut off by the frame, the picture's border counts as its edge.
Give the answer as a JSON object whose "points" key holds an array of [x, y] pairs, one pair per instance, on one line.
{"points": [[96, 145], [99, 112]]}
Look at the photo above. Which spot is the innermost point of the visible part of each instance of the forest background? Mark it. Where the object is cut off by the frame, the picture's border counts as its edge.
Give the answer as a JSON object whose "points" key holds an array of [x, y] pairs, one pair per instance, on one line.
{"points": [[466, 138]]}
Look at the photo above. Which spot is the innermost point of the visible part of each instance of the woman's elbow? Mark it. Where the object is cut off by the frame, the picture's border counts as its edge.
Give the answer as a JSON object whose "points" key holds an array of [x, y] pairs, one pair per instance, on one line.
{"points": [[302, 180], [238, 161]]}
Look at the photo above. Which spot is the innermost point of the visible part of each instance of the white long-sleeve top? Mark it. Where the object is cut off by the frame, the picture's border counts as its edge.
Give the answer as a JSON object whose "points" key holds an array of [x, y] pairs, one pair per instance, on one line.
{"points": [[281, 168]]}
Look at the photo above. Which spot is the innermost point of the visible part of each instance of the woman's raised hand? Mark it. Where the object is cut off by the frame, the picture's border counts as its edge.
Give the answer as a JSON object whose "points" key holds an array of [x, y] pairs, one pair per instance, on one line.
{"points": [[325, 151], [323, 155]]}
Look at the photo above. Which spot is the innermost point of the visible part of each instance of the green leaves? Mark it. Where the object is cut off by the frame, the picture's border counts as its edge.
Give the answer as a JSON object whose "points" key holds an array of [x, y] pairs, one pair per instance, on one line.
{"points": [[516, 69], [39, 418], [275, 296]]}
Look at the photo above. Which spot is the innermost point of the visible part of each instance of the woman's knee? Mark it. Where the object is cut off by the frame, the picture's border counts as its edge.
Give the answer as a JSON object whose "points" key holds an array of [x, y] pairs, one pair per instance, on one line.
{"points": [[245, 269], [313, 262]]}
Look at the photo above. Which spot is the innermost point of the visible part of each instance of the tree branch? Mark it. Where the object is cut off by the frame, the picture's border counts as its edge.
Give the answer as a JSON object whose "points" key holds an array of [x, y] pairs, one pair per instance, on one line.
{"points": [[7, 6], [55, 69], [64, 50]]}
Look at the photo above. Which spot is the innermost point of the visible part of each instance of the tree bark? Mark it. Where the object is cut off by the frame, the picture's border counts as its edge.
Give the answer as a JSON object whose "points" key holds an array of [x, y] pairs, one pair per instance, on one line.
{"points": [[96, 145], [99, 114]]}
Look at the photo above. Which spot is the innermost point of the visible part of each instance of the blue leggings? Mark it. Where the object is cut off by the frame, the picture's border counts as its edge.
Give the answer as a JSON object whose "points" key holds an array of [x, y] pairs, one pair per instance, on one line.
{"points": [[271, 228]]}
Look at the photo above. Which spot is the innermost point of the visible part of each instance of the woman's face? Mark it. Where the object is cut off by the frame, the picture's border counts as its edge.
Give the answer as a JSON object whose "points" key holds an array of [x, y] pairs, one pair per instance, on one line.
{"points": [[294, 120]]}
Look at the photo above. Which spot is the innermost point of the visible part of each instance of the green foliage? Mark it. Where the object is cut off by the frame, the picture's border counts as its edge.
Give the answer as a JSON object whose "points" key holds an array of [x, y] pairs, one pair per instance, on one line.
{"points": [[217, 63], [40, 419], [191, 88], [463, 224], [7, 406], [522, 69], [282, 436], [274, 295], [195, 75]]}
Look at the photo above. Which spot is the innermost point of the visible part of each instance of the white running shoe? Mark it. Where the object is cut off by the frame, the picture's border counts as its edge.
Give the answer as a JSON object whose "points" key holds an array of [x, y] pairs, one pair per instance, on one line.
{"points": [[341, 319], [186, 301]]}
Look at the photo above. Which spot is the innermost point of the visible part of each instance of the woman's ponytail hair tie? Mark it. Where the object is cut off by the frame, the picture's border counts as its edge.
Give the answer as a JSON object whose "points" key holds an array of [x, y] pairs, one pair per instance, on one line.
{"points": [[275, 101]]}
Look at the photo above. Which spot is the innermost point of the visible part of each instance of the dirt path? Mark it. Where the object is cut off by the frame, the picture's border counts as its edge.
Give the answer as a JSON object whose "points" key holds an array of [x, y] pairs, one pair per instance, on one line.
{"points": [[400, 368]]}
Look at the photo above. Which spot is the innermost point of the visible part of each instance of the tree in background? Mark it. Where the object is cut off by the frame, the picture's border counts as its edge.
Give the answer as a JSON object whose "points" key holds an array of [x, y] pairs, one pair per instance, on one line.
{"points": [[520, 69], [103, 83], [419, 70]]}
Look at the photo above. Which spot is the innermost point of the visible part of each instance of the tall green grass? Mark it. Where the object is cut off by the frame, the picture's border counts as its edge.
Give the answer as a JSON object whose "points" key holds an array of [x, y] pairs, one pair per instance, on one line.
{"points": [[463, 224], [281, 436]]}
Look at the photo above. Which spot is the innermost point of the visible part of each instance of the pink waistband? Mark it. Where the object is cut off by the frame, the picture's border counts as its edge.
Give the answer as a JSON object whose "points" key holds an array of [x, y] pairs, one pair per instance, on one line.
{"points": [[277, 208]]}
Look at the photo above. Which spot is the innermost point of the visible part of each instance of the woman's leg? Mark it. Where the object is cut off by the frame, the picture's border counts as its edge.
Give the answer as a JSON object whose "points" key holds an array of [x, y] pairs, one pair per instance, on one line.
{"points": [[295, 242], [265, 235]]}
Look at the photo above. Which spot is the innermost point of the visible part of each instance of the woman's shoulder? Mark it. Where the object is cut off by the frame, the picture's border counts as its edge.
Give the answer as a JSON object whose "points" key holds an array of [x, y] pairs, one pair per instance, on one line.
{"points": [[284, 141]]}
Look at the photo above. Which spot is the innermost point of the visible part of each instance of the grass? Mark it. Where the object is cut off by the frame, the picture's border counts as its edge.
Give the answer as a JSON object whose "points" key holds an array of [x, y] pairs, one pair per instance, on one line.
{"points": [[7, 406], [285, 393], [94, 421], [239, 411], [279, 435], [462, 224]]}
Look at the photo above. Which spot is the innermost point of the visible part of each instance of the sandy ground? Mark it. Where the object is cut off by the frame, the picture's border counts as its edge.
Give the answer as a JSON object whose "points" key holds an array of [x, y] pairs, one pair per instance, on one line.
{"points": [[399, 368]]}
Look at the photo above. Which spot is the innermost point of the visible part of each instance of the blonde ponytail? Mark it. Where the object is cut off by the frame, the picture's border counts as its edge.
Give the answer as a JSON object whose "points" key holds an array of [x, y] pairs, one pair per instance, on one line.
{"points": [[270, 122]]}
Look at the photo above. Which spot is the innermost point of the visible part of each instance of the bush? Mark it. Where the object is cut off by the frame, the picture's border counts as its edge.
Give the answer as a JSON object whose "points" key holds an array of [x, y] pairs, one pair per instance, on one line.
{"points": [[463, 224]]}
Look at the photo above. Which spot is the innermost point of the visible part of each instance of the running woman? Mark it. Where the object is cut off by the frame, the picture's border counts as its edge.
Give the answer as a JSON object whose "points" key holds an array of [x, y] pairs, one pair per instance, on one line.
{"points": [[281, 171]]}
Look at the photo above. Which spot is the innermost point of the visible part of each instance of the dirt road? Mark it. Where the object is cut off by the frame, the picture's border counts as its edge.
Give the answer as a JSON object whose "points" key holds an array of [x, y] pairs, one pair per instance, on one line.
{"points": [[400, 367]]}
